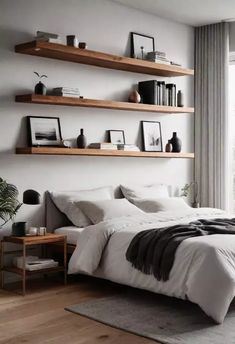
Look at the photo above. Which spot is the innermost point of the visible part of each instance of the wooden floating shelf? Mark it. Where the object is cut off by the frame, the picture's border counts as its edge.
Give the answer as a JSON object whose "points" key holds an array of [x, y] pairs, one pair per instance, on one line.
{"points": [[95, 58], [102, 104], [99, 152]]}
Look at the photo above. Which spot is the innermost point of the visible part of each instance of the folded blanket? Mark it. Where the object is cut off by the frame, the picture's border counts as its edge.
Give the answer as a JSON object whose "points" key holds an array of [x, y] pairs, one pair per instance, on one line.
{"points": [[153, 251]]}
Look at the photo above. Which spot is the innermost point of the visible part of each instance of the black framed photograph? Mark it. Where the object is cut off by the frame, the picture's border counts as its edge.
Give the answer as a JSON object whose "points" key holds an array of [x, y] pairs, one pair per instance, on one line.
{"points": [[152, 136], [117, 136], [141, 45], [44, 131]]}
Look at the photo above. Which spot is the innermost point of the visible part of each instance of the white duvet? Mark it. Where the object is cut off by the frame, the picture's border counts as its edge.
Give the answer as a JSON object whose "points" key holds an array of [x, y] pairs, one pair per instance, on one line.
{"points": [[203, 270]]}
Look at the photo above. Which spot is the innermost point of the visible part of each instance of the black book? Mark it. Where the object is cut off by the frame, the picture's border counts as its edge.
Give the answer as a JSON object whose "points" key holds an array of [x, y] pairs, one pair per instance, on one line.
{"points": [[148, 91]]}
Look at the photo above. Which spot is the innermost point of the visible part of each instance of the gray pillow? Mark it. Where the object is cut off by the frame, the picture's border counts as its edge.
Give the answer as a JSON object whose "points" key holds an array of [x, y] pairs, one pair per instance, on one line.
{"points": [[98, 211], [153, 205], [144, 191], [65, 202]]}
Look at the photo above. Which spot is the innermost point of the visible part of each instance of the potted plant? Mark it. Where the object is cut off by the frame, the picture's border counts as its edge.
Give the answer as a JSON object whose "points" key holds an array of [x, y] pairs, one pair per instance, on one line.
{"points": [[187, 189], [9, 204], [40, 88]]}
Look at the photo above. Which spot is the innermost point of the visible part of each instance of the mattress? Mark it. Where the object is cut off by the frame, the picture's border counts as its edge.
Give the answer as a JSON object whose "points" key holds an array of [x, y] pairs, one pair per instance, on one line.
{"points": [[71, 232]]}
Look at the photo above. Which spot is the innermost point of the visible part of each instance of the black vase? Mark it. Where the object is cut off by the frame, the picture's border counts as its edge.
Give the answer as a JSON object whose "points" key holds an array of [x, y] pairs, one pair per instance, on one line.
{"points": [[176, 143], [81, 140], [40, 88], [19, 229]]}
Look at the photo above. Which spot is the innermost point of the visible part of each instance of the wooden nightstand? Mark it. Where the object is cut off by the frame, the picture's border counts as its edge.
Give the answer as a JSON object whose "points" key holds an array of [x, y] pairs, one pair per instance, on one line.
{"points": [[32, 241]]}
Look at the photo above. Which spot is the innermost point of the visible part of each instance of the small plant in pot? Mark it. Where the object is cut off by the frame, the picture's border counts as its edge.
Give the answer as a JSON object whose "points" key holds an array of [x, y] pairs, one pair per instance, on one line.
{"points": [[9, 204], [40, 88], [187, 189]]}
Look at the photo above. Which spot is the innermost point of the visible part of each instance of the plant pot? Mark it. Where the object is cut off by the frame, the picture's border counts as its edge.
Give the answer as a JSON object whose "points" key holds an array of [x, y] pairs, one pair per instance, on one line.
{"points": [[19, 229], [40, 88]]}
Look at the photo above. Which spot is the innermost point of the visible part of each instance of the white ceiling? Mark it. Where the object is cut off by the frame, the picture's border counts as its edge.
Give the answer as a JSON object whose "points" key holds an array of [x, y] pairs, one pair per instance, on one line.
{"points": [[192, 12]]}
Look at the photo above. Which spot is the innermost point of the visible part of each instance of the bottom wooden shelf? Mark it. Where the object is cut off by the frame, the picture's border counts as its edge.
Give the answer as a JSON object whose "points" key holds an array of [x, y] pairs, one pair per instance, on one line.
{"points": [[19, 271], [99, 152]]}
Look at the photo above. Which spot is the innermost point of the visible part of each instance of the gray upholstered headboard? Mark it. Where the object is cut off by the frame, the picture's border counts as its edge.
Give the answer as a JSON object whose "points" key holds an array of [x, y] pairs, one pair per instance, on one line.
{"points": [[54, 217]]}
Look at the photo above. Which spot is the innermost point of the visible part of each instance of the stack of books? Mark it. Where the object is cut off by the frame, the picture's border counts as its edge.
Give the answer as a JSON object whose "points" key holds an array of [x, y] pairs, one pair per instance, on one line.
{"points": [[103, 145], [33, 263], [158, 57], [128, 147], [48, 37], [157, 92], [66, 92]]}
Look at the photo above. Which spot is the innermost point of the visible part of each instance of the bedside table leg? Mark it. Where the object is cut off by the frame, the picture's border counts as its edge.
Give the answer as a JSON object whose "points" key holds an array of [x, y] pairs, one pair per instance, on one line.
{"points": [[65, 261], [2, 264], [24, 272]]}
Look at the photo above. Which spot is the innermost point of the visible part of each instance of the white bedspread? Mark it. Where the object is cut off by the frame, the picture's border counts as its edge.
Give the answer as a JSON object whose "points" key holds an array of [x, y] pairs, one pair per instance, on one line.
{"points": [[203, 270]]}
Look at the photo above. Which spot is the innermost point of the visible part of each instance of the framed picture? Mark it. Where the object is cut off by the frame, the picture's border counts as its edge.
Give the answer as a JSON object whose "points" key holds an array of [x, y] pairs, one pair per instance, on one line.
{"points": [[152, 136], [117, 137], [141, 45], [44, 131]]}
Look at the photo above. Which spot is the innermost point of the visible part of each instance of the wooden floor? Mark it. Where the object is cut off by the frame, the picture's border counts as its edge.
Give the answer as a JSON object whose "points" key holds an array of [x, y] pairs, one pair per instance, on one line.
{"points": [[39, 317]]}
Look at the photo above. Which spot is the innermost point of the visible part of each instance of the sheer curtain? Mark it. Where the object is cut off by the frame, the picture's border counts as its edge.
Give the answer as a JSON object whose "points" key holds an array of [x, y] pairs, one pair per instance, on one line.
{"points": [[211, 113]]}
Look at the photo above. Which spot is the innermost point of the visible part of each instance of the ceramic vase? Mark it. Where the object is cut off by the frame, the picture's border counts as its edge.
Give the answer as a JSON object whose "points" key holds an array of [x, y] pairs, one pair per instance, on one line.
{"points": [[176, 143], [169, 146], [81, 140], [134, 97]]}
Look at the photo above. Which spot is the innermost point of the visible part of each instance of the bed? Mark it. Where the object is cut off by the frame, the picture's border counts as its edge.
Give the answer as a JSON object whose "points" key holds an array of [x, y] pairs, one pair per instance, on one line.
{"points": [[203, 270]]}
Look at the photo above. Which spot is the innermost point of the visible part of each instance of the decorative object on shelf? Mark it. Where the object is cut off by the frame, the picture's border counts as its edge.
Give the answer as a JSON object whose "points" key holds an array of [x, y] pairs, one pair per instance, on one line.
{"points": [[180, 99], [66, 92], [81, 140], [171, 94], [48, 37], [158, 57], [116, 136], [141, 45], [40, 88], [152, 136], [82, 45], [67, 143], [19, 229], [9, 204], [187, 189], [134, 97], [44, 131], [168, 146], [153, 92], [176, 143], [33, 231], [72, 41]]}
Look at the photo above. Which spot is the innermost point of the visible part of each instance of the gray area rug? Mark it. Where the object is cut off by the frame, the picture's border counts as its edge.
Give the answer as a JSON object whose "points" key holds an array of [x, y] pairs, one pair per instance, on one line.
{"points": [[163, 319]]}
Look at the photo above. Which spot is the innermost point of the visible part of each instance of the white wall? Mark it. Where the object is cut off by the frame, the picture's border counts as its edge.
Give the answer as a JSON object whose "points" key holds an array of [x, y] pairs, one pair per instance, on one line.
{"points": [[105, 26]]}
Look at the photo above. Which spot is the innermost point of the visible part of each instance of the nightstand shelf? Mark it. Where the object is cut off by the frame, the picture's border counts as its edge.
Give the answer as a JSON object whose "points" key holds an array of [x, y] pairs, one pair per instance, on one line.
{"points": [[26, 242]]}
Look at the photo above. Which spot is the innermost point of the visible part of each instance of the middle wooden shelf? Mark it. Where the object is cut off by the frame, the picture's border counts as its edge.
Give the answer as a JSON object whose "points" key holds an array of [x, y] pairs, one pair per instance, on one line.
{"points": [[97, 103]]}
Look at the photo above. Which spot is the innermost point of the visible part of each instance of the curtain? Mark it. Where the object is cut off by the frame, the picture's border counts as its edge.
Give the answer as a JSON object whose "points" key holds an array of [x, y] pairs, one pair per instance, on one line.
{"points": [[211, 115]]}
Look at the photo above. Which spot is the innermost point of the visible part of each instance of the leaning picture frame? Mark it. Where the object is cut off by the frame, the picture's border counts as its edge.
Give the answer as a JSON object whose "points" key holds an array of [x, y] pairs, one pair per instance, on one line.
{"points": [[44, 131], [141, 45], [117, 136], [152, 136]]}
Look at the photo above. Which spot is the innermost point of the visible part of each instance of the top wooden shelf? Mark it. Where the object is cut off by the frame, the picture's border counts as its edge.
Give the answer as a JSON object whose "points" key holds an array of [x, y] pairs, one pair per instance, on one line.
{"points": [[95, 58]]}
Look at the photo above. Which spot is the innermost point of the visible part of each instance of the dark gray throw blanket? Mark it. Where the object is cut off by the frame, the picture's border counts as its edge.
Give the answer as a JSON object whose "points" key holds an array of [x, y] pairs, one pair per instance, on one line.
{"points": [[153, 251]]}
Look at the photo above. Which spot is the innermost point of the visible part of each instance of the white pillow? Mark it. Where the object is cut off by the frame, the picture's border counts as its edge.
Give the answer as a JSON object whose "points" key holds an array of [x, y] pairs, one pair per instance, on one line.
{"points": [[65, 202], [147, 191], [107, 210], [151, 205]]}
